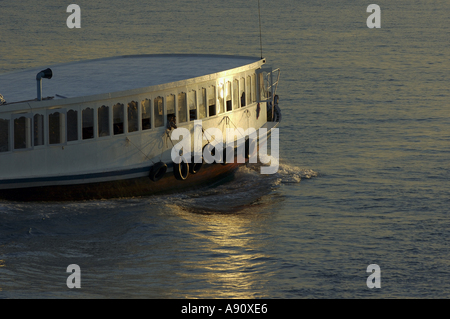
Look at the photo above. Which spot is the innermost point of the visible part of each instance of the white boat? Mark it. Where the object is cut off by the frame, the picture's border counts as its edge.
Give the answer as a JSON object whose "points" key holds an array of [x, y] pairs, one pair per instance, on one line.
{"points": [[102, 128]]}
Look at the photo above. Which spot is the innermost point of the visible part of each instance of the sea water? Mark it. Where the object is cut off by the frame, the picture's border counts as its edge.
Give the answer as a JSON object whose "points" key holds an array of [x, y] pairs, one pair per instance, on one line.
{"points": [[364, 159]]}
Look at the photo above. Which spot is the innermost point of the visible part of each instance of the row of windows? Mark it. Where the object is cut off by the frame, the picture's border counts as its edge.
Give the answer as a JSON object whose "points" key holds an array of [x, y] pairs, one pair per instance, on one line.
{"points": [[64, 125]]}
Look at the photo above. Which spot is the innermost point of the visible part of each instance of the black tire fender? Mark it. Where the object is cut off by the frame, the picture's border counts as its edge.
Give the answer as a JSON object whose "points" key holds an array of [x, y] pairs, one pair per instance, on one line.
{"points": [[181, 169], [194, 168], [157, 171], [250, 147], [213, 152]]}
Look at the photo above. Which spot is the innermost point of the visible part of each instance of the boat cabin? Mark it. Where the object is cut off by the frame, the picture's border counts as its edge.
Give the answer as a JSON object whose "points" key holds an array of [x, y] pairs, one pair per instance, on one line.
{"points": [[89, 112]]}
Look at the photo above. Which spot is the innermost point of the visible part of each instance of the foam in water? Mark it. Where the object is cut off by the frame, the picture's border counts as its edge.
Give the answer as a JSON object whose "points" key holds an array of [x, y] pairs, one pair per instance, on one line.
{"points": [[286, 173], [248, 188]]}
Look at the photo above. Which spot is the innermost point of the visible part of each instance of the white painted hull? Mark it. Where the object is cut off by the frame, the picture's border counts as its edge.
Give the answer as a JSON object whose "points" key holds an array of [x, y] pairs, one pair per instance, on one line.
{"points": [[116, 165]]}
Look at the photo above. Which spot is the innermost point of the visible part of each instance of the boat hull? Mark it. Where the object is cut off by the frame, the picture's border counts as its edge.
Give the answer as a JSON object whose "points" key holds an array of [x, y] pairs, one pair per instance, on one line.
{"points": [[65, 188], [134, 187]]}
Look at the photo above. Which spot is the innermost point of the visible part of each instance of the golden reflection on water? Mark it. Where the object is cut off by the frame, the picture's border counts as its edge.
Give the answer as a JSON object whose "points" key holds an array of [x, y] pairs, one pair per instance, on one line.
{"points": [[232, 258]]}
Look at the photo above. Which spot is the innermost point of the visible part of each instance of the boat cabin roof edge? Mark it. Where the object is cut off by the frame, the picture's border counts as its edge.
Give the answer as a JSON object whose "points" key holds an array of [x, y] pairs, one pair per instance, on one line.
{"points": [[34, 104]]}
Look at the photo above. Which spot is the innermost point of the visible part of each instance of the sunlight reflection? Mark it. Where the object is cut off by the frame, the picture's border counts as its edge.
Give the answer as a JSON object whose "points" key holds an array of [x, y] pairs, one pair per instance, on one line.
{"points": [[231, 256]]}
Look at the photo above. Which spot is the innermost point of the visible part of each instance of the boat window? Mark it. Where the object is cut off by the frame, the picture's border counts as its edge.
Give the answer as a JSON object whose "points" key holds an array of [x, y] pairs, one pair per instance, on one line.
{"points": [[248, 90], [211, 96], [262, 90], [192, 104], [56, 128], [103, 121], [72, 125], [253, 88], [133, 121], [87, 123], [202, 104], [182, 108], [228, 96], [242, 91], [159, 111], [146, 114], [236, 93], [4, 135], [170, 105], [38, 128], [22, 133], [118, 118], [220, 99]]}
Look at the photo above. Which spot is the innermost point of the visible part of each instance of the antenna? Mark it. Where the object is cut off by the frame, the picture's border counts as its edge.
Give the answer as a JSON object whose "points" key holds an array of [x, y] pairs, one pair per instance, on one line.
{"points": [[260, 37]]}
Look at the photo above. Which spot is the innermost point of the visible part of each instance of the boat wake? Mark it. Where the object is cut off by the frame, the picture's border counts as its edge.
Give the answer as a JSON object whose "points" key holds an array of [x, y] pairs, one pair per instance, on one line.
{"points": [[286, 173], [246, 190], [292, 174]]}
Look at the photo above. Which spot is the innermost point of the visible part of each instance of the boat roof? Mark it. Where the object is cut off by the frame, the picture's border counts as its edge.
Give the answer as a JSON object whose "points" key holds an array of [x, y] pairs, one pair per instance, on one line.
{"points": [[106, 75]]}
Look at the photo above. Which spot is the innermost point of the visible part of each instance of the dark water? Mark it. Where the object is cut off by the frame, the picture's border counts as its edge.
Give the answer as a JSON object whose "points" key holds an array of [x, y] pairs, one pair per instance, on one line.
{"points": [[366, 110]]}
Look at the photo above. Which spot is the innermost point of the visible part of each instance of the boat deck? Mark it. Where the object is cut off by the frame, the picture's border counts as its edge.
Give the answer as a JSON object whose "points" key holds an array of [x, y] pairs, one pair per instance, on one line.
{"points": [[107, 75]]}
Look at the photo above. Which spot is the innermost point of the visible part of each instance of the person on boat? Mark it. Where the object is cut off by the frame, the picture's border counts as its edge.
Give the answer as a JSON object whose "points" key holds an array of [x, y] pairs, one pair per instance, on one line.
{"points": [[243, 99], [171, 122]]}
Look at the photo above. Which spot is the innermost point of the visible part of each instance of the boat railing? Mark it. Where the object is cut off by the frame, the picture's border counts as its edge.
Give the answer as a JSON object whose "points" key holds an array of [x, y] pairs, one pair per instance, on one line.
{"points": [[273, 86], [272, 89]]}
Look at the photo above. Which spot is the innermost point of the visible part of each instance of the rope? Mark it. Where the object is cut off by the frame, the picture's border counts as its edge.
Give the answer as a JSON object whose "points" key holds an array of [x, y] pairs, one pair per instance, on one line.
{"points": [[167, 132], [237, 128], [129, 141], [203, 131]]}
